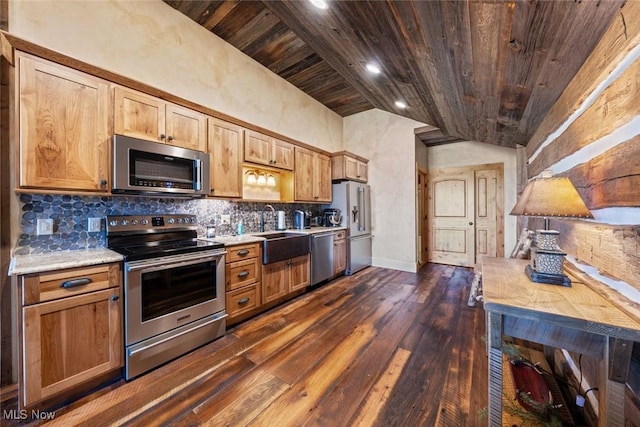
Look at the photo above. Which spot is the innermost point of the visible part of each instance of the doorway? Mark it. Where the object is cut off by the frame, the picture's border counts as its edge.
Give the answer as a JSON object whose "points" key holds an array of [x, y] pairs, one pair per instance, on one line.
{"points": [[422, 224], [466, 214]]}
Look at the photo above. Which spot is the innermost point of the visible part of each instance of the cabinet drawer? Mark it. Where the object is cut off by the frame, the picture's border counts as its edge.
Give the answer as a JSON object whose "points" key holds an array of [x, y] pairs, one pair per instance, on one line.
{"points": [[241, 273], [73, 281], [235, 253], [243, 300], [340, 235]]}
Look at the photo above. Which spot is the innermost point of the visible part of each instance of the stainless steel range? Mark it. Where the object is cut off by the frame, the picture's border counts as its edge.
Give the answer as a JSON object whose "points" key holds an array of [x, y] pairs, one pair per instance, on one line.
{"points": [[173, 287]]}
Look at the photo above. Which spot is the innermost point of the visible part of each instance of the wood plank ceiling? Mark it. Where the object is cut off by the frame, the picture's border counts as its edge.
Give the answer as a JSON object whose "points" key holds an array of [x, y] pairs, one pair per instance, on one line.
{"points": [[486, 70]]}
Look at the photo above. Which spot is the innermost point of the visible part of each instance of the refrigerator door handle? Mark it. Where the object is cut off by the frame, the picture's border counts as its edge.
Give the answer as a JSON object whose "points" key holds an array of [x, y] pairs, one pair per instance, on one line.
{"points": [[364, 210], [360, 209]]}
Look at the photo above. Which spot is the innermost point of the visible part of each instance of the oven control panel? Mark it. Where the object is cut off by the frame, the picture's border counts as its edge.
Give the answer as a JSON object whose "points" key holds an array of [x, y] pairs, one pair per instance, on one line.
{"points": [[141, 223]]}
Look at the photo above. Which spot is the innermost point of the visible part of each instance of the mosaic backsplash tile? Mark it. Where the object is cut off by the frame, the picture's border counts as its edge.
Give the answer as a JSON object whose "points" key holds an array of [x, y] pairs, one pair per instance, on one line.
{"points": [[70, 214]]}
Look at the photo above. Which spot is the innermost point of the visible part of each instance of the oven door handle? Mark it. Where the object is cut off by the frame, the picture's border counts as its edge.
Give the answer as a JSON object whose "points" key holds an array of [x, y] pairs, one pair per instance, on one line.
{"points": [[157, 264]]}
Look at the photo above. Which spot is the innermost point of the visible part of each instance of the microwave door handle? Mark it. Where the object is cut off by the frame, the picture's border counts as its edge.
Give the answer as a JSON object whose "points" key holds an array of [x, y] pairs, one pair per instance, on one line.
{"points": [[198, 171]]}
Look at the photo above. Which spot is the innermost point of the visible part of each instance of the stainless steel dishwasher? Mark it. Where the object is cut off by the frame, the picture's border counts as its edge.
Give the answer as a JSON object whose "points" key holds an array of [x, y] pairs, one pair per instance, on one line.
{"points": [[321, 257]]}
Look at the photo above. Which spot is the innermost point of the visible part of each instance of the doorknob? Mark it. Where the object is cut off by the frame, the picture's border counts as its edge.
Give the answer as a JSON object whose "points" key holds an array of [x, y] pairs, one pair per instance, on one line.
{"points": [[470, 223]]}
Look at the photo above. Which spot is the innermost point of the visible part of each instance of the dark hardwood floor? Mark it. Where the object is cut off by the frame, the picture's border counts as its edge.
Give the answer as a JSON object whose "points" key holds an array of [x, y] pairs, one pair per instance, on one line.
{"points": [[381, 347]]}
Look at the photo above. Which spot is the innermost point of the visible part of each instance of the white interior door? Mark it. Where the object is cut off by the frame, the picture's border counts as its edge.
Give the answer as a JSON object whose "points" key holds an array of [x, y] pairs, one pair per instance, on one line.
{"points": [[451, 198]]}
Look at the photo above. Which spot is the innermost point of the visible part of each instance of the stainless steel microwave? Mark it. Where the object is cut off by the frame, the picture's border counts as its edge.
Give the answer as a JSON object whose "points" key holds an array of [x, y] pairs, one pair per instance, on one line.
{"points": [[151, 168]]}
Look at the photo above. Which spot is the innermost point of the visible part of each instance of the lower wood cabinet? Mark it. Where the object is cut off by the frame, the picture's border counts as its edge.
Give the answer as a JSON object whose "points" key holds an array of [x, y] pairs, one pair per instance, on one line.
{"points": [[71, 330], [339, 252], [282, 278], [243, 275]]}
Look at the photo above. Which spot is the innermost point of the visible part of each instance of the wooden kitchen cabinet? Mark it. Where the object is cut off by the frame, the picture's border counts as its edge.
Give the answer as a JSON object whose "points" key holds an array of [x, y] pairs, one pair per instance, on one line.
{"points": [[243, 276], [312, 176], [266, 150], [63, 127], [285, 277], [225, 147], [345, 165], [339, 252], [139, 115], [71, 330]]}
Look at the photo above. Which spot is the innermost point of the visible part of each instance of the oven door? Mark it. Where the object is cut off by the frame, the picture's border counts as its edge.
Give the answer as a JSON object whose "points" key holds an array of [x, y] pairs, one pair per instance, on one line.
{"points": [[168, 292]]}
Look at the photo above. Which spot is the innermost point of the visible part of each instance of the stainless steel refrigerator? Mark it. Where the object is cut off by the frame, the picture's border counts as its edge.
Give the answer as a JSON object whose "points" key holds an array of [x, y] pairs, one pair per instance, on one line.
{"points": [[354, 201]]}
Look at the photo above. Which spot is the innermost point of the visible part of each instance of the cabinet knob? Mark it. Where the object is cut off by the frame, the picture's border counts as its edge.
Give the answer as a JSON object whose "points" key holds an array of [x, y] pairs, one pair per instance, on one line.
{"points": [[162, 136], [170, 138], [103, 183], [115, 297]]}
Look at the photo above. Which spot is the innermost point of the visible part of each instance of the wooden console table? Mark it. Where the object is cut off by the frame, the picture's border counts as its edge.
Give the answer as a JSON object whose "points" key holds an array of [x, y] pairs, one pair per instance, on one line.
{"points": [[577, 319]]}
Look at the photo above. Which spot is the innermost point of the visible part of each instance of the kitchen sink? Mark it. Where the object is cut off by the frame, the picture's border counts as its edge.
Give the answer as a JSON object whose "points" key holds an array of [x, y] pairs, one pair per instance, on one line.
{"points": [[280, 246]]}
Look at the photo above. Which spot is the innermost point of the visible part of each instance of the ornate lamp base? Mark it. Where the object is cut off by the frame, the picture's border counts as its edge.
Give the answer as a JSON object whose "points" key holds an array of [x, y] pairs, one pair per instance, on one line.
{"points": [[548, 278]]}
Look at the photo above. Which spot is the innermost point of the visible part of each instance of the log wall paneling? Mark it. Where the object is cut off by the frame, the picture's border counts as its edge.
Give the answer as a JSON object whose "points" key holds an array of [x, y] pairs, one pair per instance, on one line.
{"points": [[610, 179], [617, 105], [613, 249], [622, 36]]}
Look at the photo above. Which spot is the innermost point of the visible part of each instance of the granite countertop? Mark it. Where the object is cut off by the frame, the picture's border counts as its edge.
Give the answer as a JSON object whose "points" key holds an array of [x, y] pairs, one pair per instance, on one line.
{"points": [[38, 263], [257, 237]]}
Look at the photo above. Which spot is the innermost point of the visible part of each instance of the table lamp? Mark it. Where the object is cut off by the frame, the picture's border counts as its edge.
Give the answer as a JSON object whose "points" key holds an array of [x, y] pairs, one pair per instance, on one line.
{"points": [[549, 196]]}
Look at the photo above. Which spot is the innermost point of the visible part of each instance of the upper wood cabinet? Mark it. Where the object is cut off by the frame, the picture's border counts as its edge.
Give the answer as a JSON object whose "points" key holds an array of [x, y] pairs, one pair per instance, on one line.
{"points": [[139, 115], [345, 165], [312, 176], [266, 150], [63, 127], [225, 147]]}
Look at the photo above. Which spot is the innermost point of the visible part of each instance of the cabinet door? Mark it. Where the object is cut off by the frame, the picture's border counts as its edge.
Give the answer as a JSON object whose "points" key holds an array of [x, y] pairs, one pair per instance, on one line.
{"points": [[303, 175], [186, 128], [339, 256], [139, 115], [350, 167], [282, 156], [275, 281], [362, 173], [322, 178], [225, 148], [257, 148], [299, 272], [63, 127], [70, 341]]}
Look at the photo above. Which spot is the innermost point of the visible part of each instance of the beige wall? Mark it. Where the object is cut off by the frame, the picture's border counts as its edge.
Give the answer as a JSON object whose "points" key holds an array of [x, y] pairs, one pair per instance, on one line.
{"points": [[470, 153], [151, 42], [388, 141]]}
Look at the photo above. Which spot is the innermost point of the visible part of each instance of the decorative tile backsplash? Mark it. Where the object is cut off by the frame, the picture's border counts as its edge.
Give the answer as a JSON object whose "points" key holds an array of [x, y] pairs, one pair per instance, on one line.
{"points": [[70, 216]]}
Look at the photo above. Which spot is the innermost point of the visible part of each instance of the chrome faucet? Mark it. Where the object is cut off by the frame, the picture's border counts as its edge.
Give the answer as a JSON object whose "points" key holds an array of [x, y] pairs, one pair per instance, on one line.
{"points": [[262, 215]]}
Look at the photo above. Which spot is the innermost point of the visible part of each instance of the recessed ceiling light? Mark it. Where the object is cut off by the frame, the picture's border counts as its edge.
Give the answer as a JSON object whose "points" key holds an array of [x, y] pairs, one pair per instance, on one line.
{"points": [[373, 68], [401, 104], [320, 4]]}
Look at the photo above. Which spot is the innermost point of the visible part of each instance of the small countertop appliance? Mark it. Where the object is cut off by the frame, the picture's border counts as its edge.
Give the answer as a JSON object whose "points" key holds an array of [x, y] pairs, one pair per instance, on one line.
{"points": [[332, 217], [301, 220]]}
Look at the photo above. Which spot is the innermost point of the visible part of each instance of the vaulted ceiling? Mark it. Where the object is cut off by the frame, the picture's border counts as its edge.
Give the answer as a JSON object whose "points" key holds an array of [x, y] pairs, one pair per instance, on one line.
{"points": [[486, 70]]}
